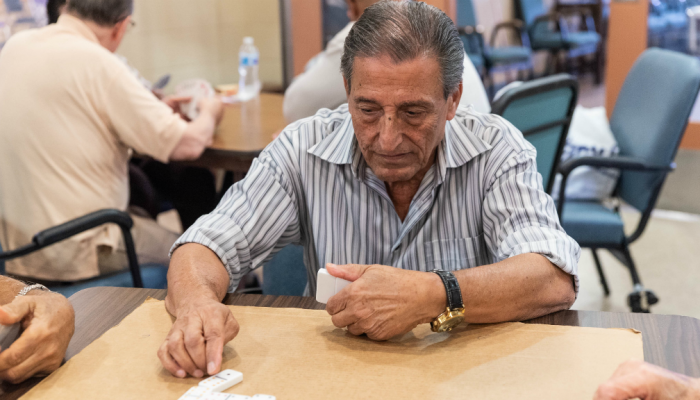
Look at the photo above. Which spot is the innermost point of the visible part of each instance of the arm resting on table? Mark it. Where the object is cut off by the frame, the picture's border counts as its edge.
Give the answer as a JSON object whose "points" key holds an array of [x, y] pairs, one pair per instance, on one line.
{"points": [[199, 132], [518, 288], [195, 272]]}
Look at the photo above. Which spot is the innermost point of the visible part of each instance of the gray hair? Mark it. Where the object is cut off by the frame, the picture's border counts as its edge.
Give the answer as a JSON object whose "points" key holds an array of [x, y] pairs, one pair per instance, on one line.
{"points": [[404, 31], [102, 12]]}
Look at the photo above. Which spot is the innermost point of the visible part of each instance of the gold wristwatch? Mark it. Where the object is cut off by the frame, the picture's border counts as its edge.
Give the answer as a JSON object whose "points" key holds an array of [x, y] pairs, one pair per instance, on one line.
{"points": [[454, 314]]}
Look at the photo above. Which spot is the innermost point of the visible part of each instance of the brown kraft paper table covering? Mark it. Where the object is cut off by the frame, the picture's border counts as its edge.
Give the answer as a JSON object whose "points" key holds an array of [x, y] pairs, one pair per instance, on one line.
{"points": [[299, 354]]}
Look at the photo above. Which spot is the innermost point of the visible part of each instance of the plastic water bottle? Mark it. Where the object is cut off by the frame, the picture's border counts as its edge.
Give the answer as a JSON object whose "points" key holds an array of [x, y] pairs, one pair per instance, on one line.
{"points": [[248, 84]]}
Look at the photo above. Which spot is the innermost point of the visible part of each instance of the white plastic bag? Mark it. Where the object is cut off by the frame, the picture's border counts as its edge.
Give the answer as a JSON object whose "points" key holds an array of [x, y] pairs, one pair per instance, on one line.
{"points": [[589, 135]]}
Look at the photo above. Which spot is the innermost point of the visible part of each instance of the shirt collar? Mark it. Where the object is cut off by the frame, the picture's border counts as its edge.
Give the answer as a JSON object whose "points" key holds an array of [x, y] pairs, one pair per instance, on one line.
{"points": [[459, 146], [77, 26]]}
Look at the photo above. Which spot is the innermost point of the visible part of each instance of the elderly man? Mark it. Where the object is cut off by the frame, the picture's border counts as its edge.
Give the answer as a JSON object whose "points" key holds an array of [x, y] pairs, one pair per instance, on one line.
{"points": [[47, 321], [436, 213], [321, 85], [71, 114]]}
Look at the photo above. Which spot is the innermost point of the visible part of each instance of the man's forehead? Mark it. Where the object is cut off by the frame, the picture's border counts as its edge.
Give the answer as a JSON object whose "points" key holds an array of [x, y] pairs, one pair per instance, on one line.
{"points": [[376, 78]]}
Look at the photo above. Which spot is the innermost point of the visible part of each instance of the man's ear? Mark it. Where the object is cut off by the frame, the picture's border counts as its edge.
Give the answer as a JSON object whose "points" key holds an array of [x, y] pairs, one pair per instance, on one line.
{"points": [[453, 102], [120, 28]]}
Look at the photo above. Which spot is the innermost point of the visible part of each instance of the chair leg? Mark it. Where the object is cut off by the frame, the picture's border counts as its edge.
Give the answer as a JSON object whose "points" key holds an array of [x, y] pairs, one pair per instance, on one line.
{"points": [[640, 299], [601, 274]]}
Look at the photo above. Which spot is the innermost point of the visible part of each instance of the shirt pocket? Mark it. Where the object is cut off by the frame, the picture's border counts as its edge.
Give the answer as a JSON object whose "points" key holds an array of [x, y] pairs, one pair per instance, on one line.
{"points": [[456, 254]]}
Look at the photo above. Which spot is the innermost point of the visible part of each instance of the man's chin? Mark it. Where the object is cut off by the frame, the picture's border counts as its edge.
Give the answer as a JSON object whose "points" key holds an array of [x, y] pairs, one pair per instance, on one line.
{"points": [[393, 175]]}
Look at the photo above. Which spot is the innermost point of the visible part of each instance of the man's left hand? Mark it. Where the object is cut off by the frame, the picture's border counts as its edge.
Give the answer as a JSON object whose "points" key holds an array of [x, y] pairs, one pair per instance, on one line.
{"points": [[383, 301]]}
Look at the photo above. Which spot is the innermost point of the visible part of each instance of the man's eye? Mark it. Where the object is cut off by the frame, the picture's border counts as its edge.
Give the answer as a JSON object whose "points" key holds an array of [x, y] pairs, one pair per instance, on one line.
{"points": [[367, 110], [413, 113]]}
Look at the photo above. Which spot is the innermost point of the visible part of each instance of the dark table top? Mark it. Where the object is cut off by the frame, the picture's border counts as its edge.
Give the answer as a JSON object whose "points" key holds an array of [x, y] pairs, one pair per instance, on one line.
{"points": [[672, 342]]}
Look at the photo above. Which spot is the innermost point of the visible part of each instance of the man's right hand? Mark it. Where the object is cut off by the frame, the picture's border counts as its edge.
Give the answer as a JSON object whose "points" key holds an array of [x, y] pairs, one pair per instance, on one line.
{"points": [[196, 341]]}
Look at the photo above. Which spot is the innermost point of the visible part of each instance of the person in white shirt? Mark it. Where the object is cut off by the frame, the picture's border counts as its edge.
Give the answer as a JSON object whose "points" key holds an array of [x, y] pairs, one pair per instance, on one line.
{"points": [[321, 85]]}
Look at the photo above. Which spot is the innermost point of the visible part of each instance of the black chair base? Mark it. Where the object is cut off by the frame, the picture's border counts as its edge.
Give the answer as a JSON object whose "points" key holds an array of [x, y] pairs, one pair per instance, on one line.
{"points": [[641, 299]]}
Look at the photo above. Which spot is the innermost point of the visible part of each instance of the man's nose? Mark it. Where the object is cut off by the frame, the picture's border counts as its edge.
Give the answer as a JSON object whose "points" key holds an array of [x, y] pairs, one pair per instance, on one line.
{"points": [[389, 133]]}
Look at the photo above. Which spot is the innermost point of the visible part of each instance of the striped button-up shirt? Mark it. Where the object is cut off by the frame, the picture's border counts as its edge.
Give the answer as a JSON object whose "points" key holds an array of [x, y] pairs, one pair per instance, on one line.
{"points": [[481, 202]]}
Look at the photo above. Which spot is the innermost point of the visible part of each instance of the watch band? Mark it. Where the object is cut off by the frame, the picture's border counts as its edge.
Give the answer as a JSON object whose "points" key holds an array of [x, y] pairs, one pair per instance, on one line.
{"points": [[29, 288], [454, 294]]}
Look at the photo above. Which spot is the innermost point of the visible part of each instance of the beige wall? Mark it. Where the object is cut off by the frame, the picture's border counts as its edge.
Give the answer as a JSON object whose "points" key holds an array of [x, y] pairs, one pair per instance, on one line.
{"points": [[201, 38]]}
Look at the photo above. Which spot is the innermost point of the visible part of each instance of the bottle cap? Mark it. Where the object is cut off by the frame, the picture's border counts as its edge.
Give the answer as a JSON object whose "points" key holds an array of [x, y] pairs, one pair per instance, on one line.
{"points": [[248, 40]]}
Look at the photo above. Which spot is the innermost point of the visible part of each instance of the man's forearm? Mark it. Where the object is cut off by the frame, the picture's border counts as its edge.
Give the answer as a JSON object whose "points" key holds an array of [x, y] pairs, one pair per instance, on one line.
{"points": [[9, 288], [519, 288], [195, 273]]}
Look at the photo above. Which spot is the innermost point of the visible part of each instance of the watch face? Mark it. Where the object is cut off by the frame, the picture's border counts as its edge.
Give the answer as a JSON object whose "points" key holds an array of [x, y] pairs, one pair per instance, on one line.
{"points": [[451, 323]]}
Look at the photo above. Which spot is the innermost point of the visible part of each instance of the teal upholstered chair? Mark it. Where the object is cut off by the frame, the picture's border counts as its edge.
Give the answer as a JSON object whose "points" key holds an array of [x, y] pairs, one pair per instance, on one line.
{"points": [[285, 273], [648, 122], [153, 276], [552, 32], [489, 58], [542, 109]]}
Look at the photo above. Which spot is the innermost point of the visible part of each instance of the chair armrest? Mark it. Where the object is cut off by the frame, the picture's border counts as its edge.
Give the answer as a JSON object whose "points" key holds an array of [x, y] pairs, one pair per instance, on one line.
{"points": [[618, 162], [73, 227], [514, 25]]}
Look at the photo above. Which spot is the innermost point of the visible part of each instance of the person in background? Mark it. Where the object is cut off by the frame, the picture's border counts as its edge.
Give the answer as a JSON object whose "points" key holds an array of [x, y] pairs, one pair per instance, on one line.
{"points": [[321, 85], [71, 115], [190, 190], [640, 380], [47, 320]]}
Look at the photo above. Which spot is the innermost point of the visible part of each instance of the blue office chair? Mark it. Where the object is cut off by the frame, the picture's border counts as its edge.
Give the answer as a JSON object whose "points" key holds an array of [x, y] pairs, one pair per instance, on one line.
{"points": [[285, 273], [551, 32], [490, 58], [542, 109], [154, 276], [648, 122]]}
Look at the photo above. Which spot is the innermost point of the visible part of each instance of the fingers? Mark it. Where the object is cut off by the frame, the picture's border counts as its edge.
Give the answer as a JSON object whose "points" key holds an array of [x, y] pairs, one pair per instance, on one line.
{"points": [[344, 318], [19, 351], [26, 369], [169, 363], [349, 272], [622, 388], [194, 345], [14, 312], [356, 329], [338, 302], [177, 350], [214, 345]]}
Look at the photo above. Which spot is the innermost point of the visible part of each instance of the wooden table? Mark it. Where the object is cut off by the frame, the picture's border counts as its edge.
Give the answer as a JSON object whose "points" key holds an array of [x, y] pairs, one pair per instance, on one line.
{"points": [[245, 130], [672, 342]]}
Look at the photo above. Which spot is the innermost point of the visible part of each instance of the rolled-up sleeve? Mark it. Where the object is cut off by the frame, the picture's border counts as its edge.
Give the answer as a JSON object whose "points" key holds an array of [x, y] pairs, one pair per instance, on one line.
{"points": [[519, 217], [257, 217]]}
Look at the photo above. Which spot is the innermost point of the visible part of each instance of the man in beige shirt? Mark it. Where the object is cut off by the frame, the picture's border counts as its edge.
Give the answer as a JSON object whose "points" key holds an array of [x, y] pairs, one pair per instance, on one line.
{"points": [[70, 115]]}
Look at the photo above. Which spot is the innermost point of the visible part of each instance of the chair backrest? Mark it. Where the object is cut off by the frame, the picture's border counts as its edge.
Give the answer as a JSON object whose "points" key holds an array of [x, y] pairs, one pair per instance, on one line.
{"points": [[285, 273], [528, 10], [650, 117], [465, 13], [542, 109]]}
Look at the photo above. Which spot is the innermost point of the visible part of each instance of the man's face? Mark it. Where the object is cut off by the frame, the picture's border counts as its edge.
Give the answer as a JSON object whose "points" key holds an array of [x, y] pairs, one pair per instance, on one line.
{"points": [[399, 113]]}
